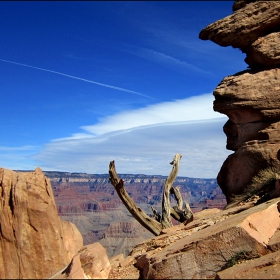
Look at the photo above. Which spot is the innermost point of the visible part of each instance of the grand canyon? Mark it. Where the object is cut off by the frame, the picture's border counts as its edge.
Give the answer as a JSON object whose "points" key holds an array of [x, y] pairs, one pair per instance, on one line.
{"points": [[61, 225], [92, 204]]}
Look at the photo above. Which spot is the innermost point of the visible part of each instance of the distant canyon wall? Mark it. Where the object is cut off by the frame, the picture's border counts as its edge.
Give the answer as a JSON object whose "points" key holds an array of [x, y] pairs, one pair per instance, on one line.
{"points": [[91, 203]]}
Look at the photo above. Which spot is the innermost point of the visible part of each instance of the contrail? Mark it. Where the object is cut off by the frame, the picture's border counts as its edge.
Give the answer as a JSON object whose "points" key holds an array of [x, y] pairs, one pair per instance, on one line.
{"points": [[77, 78]]}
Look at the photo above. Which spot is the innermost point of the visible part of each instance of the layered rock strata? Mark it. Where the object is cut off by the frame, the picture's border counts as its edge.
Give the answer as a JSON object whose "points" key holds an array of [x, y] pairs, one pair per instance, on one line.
{"points": [[34, 242], [251, 98]]}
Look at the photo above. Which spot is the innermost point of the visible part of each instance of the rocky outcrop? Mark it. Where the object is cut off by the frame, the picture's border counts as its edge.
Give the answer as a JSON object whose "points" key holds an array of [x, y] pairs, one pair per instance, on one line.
{"points": [[91, 262], [249, 98], [265, 51], [221, 244], [248, 23], [73, 239], [34, 242]]}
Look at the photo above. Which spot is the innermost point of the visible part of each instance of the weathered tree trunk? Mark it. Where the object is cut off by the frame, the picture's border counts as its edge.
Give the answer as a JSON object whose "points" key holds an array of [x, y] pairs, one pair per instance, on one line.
{"points": [[166, 209], [160, 222], [147, 222]]}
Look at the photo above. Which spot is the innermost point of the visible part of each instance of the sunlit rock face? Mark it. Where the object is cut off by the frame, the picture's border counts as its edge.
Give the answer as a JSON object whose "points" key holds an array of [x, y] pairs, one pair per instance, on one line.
{"points": [[207, 246], [251, 98], [34, 242]]}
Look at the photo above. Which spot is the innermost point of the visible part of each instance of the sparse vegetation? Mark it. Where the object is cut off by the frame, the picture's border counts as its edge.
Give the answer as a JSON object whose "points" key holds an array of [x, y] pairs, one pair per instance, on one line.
{"points": [[240, 257], [262, 184], [264, 181]]}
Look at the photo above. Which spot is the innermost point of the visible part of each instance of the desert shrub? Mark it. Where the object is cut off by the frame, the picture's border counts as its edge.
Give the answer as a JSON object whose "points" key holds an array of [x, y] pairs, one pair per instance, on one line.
{"points": [[240, 257], [261, 184], [264, 181]]}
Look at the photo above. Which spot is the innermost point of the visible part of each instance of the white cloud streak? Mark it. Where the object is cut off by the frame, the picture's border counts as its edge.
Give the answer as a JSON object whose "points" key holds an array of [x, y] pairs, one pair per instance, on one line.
{"points": [[77, 78], [141, 141], [146, 150], [18, 158], [189, 109], [20, 148], [169, 61], [145, 140], [163, 59]]}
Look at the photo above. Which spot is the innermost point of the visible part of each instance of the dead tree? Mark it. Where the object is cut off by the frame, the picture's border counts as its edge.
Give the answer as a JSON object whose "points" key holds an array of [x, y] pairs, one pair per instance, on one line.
{"points": [[155, 226]]}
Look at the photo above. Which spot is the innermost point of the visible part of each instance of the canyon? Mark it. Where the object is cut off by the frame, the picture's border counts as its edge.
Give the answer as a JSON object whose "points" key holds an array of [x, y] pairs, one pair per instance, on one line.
{"points": [[62, 225], [91, 203]]}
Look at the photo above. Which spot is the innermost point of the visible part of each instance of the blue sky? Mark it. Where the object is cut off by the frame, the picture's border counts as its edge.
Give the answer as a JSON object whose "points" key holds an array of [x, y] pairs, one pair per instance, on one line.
{"points": [[84, 83]]}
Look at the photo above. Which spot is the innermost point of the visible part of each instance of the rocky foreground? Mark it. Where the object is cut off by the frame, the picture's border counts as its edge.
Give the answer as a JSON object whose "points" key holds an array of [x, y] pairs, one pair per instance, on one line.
{"points": [[35, 243], [241, 242]]}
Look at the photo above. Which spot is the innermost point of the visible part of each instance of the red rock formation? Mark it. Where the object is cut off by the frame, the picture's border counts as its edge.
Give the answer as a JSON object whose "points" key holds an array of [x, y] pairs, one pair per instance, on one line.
{"points": [[34, 242], [265, 51], [248, 23], [207, 246], [250, 98], [91, 262]]}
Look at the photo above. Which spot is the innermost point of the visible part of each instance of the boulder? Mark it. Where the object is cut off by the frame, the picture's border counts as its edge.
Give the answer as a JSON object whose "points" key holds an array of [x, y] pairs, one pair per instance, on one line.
{"points": [[33, 243], [245, 25], [240, 167], [238, 4], [249, 96], [73, 239], [264, 52], [91, 262]]}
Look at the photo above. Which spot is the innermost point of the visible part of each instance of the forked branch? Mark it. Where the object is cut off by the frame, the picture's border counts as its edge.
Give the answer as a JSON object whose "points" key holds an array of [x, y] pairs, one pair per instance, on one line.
{"points": [[147, 222], [162, 221]]}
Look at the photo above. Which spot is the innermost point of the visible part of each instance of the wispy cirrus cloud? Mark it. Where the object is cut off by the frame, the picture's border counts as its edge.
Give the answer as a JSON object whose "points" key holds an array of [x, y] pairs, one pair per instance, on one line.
{"points": [[163, 59], [20, 148], [18, 158], [169, 61], [182, 110]]}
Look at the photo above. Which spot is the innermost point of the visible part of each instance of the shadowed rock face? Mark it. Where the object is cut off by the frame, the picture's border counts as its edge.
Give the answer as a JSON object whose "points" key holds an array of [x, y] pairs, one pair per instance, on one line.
{"points": [[251, 98], [34, 242], [265, 51]]}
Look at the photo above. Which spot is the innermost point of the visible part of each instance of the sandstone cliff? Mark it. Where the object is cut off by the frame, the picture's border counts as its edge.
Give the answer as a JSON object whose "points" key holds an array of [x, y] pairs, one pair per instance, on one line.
{"points": [[34, 242], [250, 98]]}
